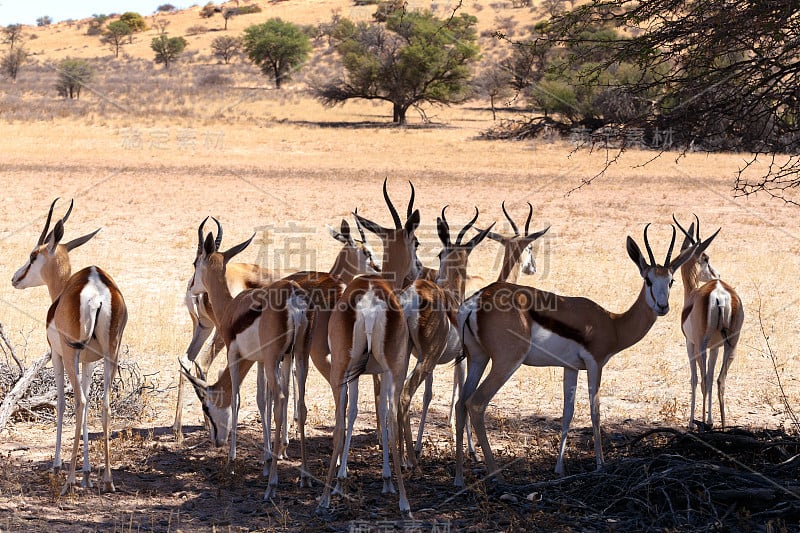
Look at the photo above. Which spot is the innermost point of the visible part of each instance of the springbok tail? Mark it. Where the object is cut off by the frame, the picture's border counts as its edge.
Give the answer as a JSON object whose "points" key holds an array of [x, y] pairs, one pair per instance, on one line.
{"points": [[88, 320]]}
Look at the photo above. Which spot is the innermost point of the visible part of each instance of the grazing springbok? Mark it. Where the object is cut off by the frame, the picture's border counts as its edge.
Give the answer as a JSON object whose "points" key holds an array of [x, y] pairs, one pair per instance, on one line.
{"points": [[84, 328], [712, 317], [269, 326], [511, 325], [368, 334], [239, 276], [430, 310]]}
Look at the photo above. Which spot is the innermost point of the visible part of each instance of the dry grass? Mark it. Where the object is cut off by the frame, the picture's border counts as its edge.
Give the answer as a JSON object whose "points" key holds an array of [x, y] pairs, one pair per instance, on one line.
{"points": [[149, 176]]}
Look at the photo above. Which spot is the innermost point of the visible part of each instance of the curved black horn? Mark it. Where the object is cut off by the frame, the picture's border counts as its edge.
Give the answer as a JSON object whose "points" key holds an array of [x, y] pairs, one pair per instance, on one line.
{"points": [[200, 236], [466, 228], [697, 229], [647, 246], [671, 244], [528, 221], [218, 240], [47, 223], [443, 227], [513, 226], [358, 225], [397, 223], [69, 211], [683, 230], [410, 209]]}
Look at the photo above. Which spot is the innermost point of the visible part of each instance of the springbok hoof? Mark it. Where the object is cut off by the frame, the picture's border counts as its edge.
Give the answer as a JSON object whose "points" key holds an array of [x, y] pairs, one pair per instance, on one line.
{"points": [[388, 486], [270, 492], [68, 488]]}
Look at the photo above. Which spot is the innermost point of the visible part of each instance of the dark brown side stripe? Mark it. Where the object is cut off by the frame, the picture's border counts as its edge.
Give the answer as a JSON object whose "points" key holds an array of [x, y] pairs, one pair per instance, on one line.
{"points": [[559, 328]]}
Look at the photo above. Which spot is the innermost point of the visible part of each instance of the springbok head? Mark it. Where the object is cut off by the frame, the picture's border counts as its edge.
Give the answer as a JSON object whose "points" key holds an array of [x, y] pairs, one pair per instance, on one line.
{"points": [[209, 262], [454, 256], [658, 279], [518, 248], [399, 243], [700, 263], [49, 259]]}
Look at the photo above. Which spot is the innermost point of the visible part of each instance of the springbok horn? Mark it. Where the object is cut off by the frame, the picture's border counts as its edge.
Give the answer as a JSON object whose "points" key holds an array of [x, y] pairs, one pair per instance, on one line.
{"points": [[671, 244], [43, 236], [358, 225], [698, 228], [683, 230], [446, 226], [513, 226], [218, 240], [397, 223], [647, 246], [466, 228], [528, 221], [410, 209]]}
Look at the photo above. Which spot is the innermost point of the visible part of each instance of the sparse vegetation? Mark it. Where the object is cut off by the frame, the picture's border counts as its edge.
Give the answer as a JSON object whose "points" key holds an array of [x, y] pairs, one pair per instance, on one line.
{"points": [[44, 21], [12, 34]]}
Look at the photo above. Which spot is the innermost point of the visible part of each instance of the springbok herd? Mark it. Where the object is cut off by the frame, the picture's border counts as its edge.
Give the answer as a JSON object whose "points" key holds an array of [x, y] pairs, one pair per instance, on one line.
{"points": [[368, 317]]}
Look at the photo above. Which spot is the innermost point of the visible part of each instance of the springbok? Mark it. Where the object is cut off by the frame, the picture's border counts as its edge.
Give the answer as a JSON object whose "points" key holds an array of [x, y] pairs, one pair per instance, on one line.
{"points": [[84, 327], [712, 317], [517, 249], [368, 334], [511, 325], [430, 311], [268, 326], [355, 257]]}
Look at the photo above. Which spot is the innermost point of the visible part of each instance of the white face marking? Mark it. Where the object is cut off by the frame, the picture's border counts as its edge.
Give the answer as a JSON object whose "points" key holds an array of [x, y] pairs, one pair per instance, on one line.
{"points": [[657, 291], [527, 262], [196, 285], [218, 421], [30, 274]]}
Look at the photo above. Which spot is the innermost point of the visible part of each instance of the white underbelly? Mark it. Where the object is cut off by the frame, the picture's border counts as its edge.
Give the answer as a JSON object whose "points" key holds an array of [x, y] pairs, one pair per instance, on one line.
{"points": [[549, 349]]}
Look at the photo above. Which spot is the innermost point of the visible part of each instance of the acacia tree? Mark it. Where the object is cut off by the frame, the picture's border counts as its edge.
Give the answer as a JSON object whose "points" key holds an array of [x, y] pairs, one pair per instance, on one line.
{"points": [[277, 47], [12, 61], [116, 35], [167, 49], [73, 75], [413, 58], [226, 47], [725, 75]]}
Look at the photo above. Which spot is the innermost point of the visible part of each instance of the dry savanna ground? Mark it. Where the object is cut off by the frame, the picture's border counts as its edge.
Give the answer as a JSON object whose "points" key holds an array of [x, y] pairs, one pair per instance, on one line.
{"points": [[284, 168]]}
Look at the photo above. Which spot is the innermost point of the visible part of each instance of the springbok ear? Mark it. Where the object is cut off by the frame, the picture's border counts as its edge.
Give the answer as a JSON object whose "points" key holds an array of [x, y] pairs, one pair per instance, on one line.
{"points": [[413, 222], [495, 236], [635, 253], [236, 250], [208, 245], [370, 225], [477, 239], [533, 236], [685, 255], [74, 243], [55, 237], [703, 245], [687, 237], [336, 235]]}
